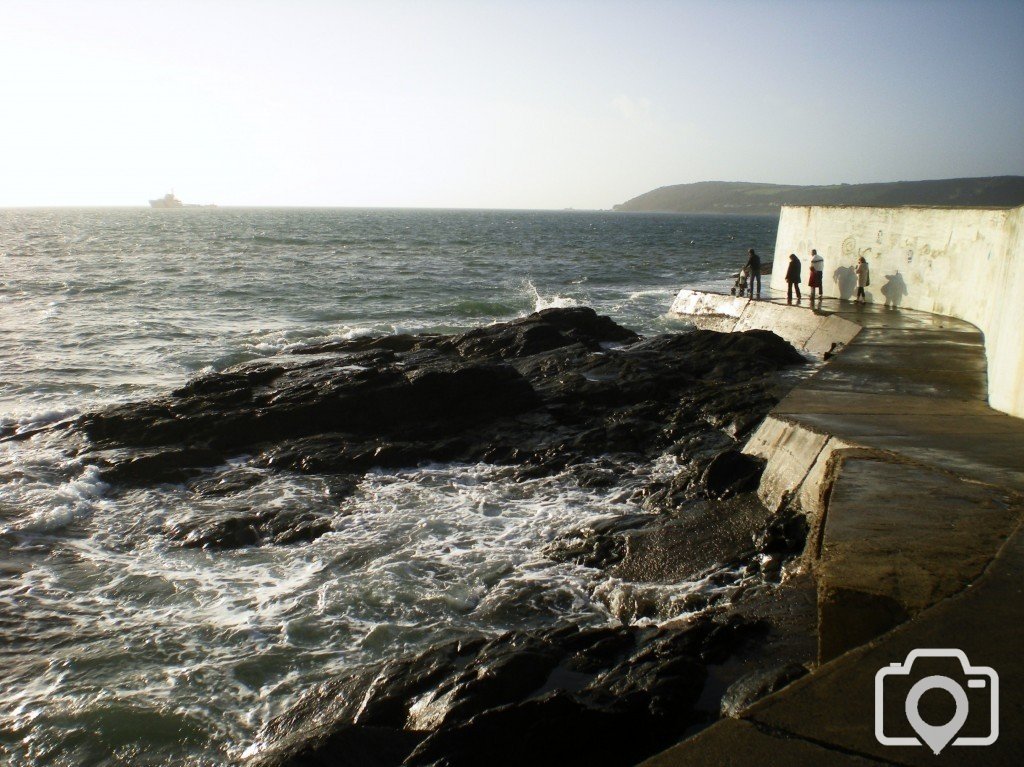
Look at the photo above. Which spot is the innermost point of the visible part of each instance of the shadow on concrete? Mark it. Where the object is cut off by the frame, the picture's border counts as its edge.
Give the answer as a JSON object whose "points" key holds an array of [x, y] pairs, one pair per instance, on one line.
{"points": [[894, 289], [846, 281]]}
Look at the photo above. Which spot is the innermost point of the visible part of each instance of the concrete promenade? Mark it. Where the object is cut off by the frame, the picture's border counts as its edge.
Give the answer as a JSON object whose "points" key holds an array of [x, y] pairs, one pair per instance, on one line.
{"points": [[914, 489]]}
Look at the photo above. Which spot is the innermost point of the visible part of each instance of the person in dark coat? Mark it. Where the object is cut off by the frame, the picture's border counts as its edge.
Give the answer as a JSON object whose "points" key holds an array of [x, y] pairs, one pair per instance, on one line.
{"points": [[793, 278], [753, 267]]}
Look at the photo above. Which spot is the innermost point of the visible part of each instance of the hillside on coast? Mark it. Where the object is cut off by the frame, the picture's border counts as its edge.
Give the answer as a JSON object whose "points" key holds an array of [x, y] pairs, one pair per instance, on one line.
{"points": [[750, 199]]}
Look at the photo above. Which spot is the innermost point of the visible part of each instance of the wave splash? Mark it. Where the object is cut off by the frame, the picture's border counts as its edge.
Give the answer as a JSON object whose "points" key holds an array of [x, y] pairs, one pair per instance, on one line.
{"points": [[548, 302]]}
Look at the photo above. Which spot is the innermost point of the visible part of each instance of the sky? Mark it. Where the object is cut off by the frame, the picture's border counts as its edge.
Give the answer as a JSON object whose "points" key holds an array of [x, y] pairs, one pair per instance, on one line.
{"points": [[492, 104]]}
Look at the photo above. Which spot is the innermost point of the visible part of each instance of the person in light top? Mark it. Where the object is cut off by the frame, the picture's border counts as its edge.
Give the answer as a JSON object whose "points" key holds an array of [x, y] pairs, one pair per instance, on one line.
{"points": [[817, 271], [863, 279]]}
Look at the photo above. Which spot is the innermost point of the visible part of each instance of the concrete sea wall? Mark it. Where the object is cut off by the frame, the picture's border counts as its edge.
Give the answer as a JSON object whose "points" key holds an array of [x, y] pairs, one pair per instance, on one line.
{"points": [[817, 334], [901, 387], [913, 489], [958, 262]]}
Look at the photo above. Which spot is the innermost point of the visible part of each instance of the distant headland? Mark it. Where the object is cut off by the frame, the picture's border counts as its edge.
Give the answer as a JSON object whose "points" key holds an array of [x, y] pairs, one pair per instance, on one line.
{"points": [[751, 199]]}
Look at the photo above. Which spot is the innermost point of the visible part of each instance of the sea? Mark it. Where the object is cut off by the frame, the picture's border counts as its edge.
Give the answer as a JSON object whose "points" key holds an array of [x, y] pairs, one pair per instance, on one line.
{"points": [[118, 647]]}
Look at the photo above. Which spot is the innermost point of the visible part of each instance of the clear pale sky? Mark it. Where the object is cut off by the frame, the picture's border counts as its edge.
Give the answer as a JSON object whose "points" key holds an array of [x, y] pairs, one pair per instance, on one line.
{"points": [[516, 104]]}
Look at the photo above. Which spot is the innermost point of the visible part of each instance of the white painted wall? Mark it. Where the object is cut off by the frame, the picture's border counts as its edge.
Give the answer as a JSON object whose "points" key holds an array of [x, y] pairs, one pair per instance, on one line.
{"points": [[960, 262]]}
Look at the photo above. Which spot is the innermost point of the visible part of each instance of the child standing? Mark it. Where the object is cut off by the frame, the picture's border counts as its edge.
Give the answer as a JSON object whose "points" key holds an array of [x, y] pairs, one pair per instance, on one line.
{"points": [[741, 283]]}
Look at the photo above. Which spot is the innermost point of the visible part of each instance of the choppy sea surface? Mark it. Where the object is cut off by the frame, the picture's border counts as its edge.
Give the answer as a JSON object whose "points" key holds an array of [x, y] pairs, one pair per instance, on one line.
{"points": [[116, 647]]}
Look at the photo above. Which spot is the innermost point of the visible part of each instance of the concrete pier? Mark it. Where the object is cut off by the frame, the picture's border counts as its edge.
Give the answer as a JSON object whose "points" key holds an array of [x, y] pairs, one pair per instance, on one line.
{"points": [[914, 488]]}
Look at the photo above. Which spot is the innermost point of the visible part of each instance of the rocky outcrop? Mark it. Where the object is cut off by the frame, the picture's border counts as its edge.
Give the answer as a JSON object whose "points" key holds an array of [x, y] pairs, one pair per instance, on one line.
{"points": [[566, 695], [556, 389], [564, 392]]}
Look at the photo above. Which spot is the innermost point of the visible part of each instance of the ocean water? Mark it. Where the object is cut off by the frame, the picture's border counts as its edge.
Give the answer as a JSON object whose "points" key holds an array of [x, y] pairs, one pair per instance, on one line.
{"points": [[116, 647]]}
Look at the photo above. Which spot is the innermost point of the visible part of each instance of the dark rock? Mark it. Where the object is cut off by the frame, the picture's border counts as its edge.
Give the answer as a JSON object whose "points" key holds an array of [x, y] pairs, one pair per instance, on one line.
{"points": [[715, 469], [598, 544], [557, 389], [228, 386], [731, 472], [541, 332], [233, 531], [697, 539], [691, 542], [154, 466], [562, 695], [374, 697], [596, 476], [550, 389], [555, 729], [352, 746], [401, 342], [751, 688], [783, 538], [225, 483]]}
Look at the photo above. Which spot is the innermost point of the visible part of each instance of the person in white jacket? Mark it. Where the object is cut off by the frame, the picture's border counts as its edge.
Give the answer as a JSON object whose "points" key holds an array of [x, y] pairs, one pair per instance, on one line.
{"points": [[863, 279], [817, 275]]}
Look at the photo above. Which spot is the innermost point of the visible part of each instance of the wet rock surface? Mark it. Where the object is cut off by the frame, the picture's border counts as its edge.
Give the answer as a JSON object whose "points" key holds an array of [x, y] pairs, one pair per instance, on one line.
{"points": [[561, 392], [542, 394], [272, 526], [749, 689], [739, 535], [607, 695], [567, 695]]}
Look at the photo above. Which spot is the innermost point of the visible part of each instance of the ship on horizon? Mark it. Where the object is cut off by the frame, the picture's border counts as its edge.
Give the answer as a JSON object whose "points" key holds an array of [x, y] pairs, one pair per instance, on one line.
{"points": [[167, 201], [170, 201]]}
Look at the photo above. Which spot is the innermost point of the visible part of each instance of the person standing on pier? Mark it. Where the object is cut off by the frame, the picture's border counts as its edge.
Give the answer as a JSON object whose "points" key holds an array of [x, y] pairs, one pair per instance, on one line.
{"points": [[793, 279], [753, 267], [863, 279], [817, 270]]}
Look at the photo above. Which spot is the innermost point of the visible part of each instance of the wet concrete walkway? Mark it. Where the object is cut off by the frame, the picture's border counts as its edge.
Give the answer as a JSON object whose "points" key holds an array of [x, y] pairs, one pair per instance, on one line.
{"points": [[913, 383], [913, 486]]}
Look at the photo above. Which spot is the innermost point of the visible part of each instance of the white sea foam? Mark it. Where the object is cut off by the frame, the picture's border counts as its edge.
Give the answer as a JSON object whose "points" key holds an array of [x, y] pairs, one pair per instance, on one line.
{"points": [[660, 294], [34, 419], [549, 302], [52, 310], [47, 509], [657, 603], [268, 349]]}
